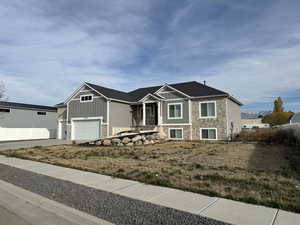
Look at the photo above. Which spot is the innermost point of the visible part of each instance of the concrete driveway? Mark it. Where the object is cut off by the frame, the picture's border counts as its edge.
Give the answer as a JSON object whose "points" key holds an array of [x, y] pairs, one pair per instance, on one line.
{"points": [[32, 143]]}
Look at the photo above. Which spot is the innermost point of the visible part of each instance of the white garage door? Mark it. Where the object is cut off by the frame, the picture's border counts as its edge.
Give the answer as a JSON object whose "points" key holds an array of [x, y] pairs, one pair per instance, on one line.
{"points": [[86, 129]]}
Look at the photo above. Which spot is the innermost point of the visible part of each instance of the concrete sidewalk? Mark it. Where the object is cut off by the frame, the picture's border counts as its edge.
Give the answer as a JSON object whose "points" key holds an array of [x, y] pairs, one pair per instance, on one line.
{"points": [[216, 208]]}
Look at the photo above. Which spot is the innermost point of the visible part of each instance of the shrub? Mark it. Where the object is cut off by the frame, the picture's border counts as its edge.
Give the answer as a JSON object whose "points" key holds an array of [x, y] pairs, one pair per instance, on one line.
{"points": [[286, 135]]}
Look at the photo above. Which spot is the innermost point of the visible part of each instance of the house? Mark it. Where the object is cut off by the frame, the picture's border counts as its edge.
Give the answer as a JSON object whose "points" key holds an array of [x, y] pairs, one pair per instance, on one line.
{"points": [[20, 121], [190, 111], [295, 119], [253, 120]]}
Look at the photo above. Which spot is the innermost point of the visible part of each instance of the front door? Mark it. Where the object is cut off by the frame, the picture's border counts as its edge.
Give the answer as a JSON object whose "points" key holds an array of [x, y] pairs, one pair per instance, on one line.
{"points": [[151, 114]]}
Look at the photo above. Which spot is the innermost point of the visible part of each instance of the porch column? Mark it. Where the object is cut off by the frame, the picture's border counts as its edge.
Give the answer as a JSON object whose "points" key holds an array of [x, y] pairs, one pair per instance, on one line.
{"points": [[144, 114], [158, 113]]}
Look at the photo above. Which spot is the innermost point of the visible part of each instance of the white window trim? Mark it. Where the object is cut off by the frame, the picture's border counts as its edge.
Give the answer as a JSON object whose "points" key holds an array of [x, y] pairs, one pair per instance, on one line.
{"points": [[181, 111], [208, 117], [209, 128], [86, 96], [175, 128]]}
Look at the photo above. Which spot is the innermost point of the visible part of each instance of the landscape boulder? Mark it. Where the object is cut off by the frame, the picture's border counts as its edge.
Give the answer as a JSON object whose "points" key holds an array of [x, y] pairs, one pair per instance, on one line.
{"points": [[146, 142], [98, 143], [150, 137], [137, 138], [115, 141], [107, 142], [126, 140], [129, 144]]}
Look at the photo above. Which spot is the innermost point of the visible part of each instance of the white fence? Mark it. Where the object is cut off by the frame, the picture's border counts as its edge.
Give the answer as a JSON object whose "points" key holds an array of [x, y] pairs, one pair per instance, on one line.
{"points": [[13, 134]]}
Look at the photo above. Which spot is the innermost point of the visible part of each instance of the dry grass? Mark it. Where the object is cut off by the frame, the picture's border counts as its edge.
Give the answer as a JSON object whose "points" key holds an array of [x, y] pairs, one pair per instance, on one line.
{"points": [[255, 173]]}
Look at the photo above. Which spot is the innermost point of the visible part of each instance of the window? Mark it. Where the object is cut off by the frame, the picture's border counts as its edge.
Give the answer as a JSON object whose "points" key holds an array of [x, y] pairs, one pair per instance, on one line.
{"points": [[175, 111], [5, 110], [207, 110], [86, 98], [42, 113], [176, 133], [208, 133]]}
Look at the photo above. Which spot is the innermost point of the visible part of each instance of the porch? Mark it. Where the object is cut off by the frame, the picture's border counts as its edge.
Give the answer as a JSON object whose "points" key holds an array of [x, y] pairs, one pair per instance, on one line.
{"points": [[147, 114]]}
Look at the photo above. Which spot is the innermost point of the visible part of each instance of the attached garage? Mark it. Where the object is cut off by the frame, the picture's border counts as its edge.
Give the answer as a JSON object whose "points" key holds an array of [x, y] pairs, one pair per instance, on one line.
{"points": [[86, 129]]}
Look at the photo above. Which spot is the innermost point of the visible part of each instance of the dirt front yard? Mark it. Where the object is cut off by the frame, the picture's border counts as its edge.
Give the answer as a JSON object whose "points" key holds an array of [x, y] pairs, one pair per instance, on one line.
{"points": [[255, 173]]}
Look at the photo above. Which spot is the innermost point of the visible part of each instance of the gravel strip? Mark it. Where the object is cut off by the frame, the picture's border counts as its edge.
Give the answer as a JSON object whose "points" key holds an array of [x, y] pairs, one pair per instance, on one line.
{"points": [[105, 205]]}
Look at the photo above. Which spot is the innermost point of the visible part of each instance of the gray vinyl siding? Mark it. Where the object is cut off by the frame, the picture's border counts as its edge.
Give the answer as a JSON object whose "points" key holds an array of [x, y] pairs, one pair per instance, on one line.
{"points": [[96, 108], [234, 115], [22, 118], [120, 114], [185, 112], [86, 92], [172, 95], [62, 113]]}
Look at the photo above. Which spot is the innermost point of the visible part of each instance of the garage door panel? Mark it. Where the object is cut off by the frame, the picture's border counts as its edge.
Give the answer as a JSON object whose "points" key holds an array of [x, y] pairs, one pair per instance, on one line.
{"points": [[86, 129]]}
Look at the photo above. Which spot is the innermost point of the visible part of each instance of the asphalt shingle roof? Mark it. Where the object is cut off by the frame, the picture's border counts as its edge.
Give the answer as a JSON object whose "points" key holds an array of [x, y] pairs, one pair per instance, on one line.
{"points": [[192, 89], [111, 93], [26, 106]]}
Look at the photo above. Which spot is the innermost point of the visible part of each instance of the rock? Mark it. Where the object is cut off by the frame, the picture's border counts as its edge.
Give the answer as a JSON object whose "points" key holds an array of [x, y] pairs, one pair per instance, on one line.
{"points": [[146, 142], [143, 138], [138, 142], [99, 143], [106, 142], [126, 140], [160, 136], [120, 144], [137, 138], [129, 144], [115, 141], [152, 142], [149, 137]]}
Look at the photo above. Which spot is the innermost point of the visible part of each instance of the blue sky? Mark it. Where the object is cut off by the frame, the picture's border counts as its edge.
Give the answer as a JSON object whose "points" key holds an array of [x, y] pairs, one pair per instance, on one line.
{"points": [[249, 48]]}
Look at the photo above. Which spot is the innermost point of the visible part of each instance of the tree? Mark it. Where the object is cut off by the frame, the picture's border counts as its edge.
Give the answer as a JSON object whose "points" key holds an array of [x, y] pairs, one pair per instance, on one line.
{"points": [[278, 105], [278, 116]]}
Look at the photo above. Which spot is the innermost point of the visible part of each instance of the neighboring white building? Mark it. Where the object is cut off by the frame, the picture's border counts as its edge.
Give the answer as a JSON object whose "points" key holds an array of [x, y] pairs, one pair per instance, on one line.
{"points": [[26, 122], [253, 120], [295, 118]]}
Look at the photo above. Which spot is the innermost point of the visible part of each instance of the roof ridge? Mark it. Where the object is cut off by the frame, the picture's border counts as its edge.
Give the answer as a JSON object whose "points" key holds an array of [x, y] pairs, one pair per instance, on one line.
{"points": [[8, 102], [105, 87]]}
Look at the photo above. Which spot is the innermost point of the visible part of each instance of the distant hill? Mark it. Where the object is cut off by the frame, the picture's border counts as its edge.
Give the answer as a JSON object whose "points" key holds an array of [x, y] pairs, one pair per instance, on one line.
{"points": [[254, 115]]}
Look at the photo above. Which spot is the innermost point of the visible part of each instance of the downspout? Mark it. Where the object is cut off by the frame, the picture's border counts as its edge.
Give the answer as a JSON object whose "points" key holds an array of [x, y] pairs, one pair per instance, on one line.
{"points": [[227, 126], [190, 119], [107, 117]]}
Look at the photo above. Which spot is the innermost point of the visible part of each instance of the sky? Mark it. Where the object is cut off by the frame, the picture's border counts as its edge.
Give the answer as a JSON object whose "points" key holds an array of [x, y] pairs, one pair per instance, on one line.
{"points": [[249, 48]]}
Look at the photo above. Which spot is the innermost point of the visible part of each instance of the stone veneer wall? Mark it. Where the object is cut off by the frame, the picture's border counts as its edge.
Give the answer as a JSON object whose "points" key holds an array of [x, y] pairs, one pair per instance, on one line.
{"points": [[186, 130], [220, 122]]}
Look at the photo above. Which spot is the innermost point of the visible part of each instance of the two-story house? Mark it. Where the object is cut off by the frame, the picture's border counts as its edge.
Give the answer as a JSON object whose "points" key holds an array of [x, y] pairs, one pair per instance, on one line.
{"points": [[190, 111]]}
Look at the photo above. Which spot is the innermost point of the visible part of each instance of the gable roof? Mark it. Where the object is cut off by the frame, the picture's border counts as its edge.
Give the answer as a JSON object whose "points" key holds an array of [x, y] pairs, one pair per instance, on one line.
{"points": [[111, 93], [191, 89], [196, 89], [26, 106]]}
